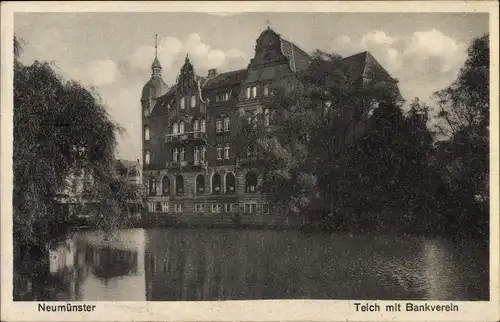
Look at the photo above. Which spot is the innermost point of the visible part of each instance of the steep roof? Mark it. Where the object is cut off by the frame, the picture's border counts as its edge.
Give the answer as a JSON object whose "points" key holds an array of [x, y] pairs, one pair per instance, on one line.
{"points": [[154, 88], [299, 59], [226, 79], [356, 66]]}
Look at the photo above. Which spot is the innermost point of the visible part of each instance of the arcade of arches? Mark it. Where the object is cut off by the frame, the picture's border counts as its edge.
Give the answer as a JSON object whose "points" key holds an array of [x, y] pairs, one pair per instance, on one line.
{"points": [[215, 184]]}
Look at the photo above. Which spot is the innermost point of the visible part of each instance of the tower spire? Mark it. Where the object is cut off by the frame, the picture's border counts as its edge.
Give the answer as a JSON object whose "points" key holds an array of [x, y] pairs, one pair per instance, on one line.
{"points": [[156, 45], [156, 66]]}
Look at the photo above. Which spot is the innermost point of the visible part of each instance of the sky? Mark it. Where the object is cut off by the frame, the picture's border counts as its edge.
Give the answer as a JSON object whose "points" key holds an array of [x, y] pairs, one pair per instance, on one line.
{"points": [[113, 52]]}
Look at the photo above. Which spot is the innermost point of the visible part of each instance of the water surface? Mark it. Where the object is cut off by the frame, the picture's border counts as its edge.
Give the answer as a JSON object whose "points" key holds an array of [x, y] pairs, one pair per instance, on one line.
{"points": [[230, 264]]}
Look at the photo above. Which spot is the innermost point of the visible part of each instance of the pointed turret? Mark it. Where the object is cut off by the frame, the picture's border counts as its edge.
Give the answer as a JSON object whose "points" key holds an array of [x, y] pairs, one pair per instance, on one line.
{"points": [[155, 87]]}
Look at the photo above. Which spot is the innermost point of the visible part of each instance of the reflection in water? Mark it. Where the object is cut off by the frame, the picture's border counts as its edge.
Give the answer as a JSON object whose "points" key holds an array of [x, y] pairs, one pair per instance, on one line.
{"points": [[224, 264]]}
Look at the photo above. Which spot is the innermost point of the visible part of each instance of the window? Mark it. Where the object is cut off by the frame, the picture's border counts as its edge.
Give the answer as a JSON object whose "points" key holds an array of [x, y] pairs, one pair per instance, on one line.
{"points": [[216, 183], [179, 184], [181, 154], [175, 128], [218, 126], [251, 182], [181, 128], [152, 186], [253, 94], [183, 103], [196, 154], [164, 206], [165, 185], [196, 126], [227, 148], [146, 133], [202, 126], [248, 92], [175, 155], [230, 182], [199, 153], [250, 208], [216, 208], [219, 152], [147, 157], [157, 206], [151, 206], [199, 207], [200, 184], [178, 207], [265, 208], [203, 155], [226, 124], [266, 117], [266, 90], [229, 207], [193, 101]]}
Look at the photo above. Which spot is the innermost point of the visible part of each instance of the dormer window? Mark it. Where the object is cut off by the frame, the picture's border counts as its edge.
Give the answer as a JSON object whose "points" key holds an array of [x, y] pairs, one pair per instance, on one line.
{"points": [[251, 92], [266, 90], [193, 101]]}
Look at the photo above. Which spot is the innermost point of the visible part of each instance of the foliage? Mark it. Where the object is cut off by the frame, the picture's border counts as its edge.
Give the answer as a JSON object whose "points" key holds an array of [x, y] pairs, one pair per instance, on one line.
{"points": [[60, 129], [354, 153]]}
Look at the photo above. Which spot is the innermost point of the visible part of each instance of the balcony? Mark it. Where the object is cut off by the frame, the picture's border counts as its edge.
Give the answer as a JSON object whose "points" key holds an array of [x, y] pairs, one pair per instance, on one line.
{"points": [[184, 164], [186, 137], [246, 160]]}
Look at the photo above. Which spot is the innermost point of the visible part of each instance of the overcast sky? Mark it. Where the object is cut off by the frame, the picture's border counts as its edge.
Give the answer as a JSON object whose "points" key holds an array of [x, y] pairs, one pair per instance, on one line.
{"points": [[114, 51]]}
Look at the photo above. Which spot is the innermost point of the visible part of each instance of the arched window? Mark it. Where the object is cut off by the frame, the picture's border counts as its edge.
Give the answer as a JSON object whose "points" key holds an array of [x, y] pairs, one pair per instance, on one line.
{"points": [[196, 126], [165, 185], [133, 173], [175, 128], [152, 186], [203, 126], [146, 133], [147, 157], [193, 101], [179, 184], [181, 127], [216, 183], [200, 184], [251, 182], [230, 183], [266, 117], [183, 103]]}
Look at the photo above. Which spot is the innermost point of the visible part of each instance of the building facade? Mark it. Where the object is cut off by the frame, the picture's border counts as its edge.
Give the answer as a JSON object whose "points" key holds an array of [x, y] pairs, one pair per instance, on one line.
{"points": [[193, 162]]}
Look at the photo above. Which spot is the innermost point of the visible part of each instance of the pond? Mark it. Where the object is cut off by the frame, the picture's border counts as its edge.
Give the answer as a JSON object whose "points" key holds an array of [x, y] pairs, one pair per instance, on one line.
{"points": [[229, 264]]}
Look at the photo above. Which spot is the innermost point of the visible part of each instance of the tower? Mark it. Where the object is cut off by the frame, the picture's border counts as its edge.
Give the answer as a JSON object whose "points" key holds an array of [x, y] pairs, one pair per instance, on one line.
{"points": [[153, 89]]}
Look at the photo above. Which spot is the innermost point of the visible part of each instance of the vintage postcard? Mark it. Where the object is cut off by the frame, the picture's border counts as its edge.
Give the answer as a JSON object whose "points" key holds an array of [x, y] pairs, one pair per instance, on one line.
{"points": [[250, 161]]}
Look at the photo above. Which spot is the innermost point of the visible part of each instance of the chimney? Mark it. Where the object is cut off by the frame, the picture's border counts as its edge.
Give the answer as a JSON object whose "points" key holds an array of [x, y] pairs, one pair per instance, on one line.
{"points": [[212, 73]]}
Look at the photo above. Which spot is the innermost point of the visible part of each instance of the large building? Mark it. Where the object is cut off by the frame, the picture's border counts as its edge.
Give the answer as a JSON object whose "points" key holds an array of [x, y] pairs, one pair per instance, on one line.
{"points": [[192, 163]]}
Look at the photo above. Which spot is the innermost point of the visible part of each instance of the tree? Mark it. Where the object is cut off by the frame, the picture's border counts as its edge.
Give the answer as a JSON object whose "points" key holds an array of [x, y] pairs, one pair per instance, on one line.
{"points": [[59, 127], [464, 153]]}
